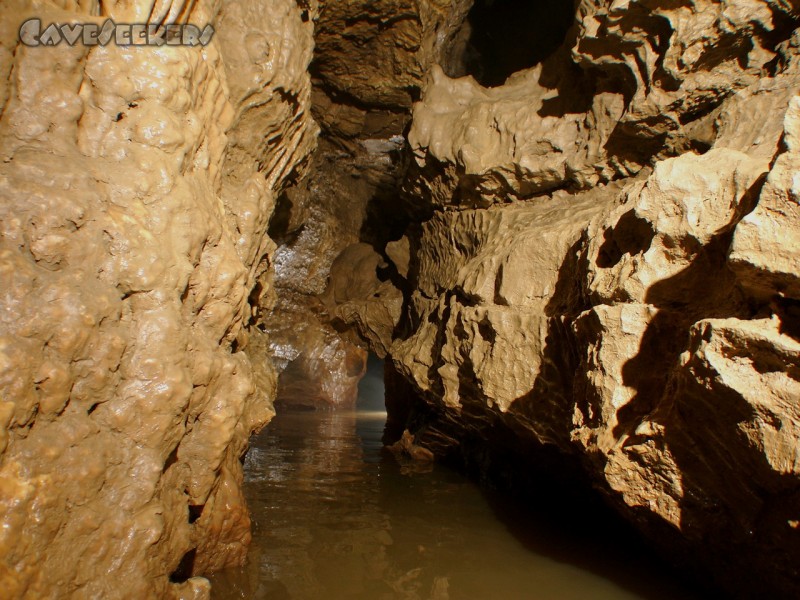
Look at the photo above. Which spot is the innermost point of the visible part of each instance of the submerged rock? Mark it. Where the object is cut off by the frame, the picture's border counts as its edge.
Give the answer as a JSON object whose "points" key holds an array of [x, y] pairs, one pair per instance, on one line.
{"points": [[406, 446]]}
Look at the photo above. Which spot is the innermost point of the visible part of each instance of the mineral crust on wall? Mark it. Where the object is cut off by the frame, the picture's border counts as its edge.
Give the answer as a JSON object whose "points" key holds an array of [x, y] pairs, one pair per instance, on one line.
{"points": [[611, 270], [369, 63], [137, 184], [599, 256]]}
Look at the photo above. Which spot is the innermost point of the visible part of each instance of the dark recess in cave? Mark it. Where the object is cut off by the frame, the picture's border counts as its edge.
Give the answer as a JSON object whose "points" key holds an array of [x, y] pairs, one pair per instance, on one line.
{"points": [[185, 568], [507, 36], [279, 222]]}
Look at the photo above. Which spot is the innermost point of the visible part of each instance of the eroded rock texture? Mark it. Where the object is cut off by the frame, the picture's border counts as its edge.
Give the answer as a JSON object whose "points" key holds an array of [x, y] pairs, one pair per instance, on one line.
{"points": [[137, 184], [609, 269], [333, 280], [594, 259]]}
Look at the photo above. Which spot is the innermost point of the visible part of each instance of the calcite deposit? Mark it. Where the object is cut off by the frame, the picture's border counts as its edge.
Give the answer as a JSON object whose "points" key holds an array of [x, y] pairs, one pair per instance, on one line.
{"points": [[600, 258], [591, 264], [610, 270], [137, 184]]}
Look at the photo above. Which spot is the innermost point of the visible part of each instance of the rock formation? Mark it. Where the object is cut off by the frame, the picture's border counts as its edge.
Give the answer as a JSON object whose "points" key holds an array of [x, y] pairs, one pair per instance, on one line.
{"points": [[137, 184], [578, 250], [610, 271], [598, 259], [370, 59]]}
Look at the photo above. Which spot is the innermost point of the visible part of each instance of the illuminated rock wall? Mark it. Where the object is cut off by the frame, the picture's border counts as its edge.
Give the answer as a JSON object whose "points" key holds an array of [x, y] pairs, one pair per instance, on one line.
{"points": [[137, 185]]}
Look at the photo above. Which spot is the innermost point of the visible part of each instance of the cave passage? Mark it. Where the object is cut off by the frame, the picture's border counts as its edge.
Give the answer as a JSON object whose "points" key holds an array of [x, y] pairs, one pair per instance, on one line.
{"points": [[507, 36], [335, 516]]}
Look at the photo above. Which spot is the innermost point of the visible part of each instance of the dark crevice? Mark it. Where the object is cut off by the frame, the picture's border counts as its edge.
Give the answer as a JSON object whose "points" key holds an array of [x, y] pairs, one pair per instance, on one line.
{"points": [[788, 310], [631, 235], [195, 512], [506, 36], [171, 459], [185, 568], [279, 223]]}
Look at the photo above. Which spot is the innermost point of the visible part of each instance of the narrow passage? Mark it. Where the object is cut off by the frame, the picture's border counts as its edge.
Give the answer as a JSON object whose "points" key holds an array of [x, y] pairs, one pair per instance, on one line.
{"points": [[336, 517]]}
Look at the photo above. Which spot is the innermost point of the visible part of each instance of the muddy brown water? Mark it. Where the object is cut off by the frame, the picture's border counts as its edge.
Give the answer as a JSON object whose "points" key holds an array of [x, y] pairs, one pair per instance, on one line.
{"points": [[335, 517]]}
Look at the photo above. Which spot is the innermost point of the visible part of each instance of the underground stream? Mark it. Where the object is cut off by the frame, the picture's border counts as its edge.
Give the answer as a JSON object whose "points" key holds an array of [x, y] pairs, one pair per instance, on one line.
{"points": [[337, 516], [572, 227]]}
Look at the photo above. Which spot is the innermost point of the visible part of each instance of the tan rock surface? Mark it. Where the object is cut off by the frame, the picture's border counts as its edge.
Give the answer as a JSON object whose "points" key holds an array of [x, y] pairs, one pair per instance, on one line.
{"points": [[598, 257], [764, 253], [493, 288], [473, 146], [671, 295], [633, 82], [510, 301], [135, 198]]}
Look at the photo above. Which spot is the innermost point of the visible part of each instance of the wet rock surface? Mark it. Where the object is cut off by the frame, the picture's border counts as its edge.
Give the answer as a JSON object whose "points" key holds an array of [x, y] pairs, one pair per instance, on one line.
{"points": [[137, 184], [370, 59], [590, 266], [325, 277], [611, 280]]}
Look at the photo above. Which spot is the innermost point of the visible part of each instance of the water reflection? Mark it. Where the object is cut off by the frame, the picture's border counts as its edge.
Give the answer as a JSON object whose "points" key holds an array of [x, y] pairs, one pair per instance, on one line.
{"points": [[334, 518]]}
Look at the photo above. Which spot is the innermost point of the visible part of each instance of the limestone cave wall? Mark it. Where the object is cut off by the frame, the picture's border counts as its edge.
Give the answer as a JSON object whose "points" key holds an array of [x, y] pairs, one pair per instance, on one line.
{"points": [[137, 186], [332, 227], [583, 246], [603, 259]]}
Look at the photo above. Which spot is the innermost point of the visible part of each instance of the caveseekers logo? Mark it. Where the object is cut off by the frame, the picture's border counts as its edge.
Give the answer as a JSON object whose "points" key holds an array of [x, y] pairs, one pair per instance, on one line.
{"points": [[31, 33]]}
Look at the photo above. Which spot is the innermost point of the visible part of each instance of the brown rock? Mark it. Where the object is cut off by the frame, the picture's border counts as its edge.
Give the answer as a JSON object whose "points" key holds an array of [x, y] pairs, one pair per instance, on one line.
{"points": [[399, 252], [317, 221], [509, 299], [378, 66], [356, 297], [135, 199], [598, 256], [406, 446], [764, 250]]}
